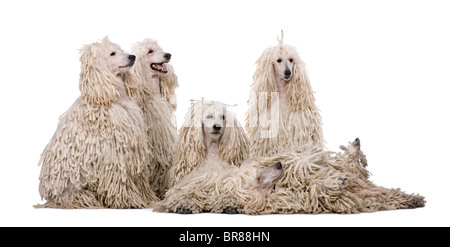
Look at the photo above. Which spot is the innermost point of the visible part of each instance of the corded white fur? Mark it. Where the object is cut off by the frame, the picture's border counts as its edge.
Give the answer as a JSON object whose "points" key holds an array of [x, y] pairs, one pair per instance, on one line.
{"points": [[274, 125], [326, 182], [190, 147], [158, 113], [99, 153], [214, 189], [313, 182]]}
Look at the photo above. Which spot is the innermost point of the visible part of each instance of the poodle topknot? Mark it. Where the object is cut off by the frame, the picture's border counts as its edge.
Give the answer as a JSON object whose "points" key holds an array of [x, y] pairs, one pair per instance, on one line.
{"points": [[282, 112], [98, 155]]}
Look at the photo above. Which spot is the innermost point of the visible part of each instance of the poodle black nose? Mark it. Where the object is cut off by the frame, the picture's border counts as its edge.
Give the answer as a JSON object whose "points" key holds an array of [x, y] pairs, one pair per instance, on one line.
{"points": [[167, 56], [278, 165], [132, 57], [287, 72], [217, 127]]}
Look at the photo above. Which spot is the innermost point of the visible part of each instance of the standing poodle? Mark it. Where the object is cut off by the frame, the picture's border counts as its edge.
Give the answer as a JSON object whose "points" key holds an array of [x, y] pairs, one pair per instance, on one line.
{"points": [[156, 83], [282, 113], [98, 155], [210, 136]]}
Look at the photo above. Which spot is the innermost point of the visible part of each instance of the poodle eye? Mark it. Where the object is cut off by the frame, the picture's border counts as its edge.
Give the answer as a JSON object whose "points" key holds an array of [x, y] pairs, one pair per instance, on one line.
{"points": [[209, 116], [279, 60], [150, 51], [291, 60], [113, 53], [222, 117]]}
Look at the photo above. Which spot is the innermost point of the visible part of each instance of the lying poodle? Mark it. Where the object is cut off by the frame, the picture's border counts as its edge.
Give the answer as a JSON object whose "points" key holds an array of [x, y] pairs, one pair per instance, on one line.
{"points": [[221, 189], [210, 136], [308, 180], [282, 113], [325, 182], [156, 83], [98, 155]]}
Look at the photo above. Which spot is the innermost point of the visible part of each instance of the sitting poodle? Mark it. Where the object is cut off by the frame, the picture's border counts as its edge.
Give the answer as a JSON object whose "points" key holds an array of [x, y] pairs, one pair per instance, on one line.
{"points": [[156, 83], [307, 180], [98, 155], [282, 114], [210, 136]]}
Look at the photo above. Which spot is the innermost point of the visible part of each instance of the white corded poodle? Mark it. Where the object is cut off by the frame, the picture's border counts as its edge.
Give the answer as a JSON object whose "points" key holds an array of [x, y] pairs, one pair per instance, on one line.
{"points": [[156, 83], [282, 114], [308, 180], [99, 153], [210, 136], [316, 181], [222, 189]]}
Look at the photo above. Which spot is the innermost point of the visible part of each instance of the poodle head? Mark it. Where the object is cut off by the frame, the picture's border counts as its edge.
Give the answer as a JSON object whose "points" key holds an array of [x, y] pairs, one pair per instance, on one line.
{"points": [[107, 56], [353, 150], [103, 64], [282, 62], [118, 62], [268, 176], [152, 56], [152, 60], [213, 120], [263, 175]]}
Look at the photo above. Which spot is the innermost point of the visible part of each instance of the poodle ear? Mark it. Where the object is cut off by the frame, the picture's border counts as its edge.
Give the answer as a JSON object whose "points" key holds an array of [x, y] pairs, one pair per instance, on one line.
{"points": [[97, 84], [299, 91], [130, 85], [137, 71], [190, 147], [263, 79], [234, 144], [262, 89], [168, 84], [135, 77]]}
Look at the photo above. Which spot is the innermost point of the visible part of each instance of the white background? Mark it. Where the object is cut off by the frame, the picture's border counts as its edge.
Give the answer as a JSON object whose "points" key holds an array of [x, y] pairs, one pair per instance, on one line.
{"points": [[380, 70]]}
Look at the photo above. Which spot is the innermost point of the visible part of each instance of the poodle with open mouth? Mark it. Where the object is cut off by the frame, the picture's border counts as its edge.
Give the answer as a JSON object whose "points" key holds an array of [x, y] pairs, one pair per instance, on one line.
{"points": [[210, 136], [153, 70], [156, 83], [98, 155], [282, 113]]}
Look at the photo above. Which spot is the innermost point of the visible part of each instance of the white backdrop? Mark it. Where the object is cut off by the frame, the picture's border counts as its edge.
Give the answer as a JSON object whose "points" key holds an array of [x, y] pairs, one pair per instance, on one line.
{"points": [[380, 70]]}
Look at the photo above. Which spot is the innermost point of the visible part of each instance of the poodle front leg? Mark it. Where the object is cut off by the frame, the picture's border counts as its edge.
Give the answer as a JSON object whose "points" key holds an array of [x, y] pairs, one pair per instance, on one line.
{"points": [[178, 201], [73, 199], [377, 198], [118, 189]]}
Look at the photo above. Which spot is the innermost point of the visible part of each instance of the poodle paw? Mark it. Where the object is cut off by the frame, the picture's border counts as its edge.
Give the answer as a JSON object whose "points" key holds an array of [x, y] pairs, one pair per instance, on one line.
{"points": [[357, 144], [184, 210], [416, 202], [230, 210]]}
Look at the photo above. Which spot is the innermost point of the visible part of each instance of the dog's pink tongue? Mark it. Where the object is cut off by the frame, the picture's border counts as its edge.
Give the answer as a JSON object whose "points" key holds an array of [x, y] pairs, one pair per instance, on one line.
{"points": [[162, 68]]}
